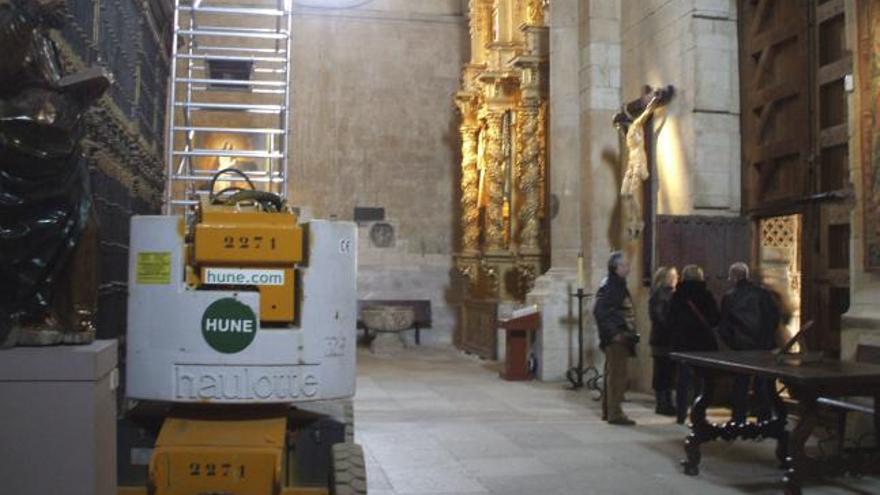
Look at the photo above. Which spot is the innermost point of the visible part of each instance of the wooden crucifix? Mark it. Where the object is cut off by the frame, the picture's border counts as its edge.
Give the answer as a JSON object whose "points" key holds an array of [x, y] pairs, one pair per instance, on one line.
{"points": [[634, 122]]}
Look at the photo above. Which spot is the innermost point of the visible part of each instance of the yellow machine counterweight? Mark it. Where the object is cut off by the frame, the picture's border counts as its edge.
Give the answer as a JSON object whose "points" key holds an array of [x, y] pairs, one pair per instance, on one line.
{"points": [[194, 455], [235, 245]]}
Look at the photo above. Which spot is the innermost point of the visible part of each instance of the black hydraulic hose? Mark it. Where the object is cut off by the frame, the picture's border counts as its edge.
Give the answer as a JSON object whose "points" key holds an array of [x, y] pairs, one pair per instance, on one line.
{"points": [[228, 171]]}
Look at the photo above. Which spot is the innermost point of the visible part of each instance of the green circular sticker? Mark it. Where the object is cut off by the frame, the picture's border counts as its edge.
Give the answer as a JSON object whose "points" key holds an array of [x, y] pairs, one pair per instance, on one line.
{"points": [[229, 325]]}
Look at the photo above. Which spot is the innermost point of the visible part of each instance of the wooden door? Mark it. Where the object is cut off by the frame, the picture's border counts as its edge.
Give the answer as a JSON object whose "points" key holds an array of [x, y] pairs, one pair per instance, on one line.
{"points": [[478, 329], [775, 101], [793, 62], [829, 277]]}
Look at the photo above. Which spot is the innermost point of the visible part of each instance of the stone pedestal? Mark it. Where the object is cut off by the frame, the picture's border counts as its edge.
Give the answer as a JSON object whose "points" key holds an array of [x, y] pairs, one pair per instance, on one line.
{"points": [[387, 343], [58, 419], [556, 346]]}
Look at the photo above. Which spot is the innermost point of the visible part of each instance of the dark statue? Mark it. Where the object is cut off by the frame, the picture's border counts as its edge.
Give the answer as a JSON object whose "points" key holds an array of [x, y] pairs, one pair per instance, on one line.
{"points": [[48, 230]]}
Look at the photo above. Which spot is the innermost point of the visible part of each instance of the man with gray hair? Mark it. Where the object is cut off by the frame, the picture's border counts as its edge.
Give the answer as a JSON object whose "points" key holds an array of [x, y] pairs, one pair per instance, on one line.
{"points": [[738, 271], [615, 319], [749, 318]]}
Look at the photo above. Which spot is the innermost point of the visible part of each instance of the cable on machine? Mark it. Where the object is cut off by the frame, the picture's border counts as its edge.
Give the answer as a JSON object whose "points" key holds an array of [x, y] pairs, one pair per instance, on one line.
{"points": [[234, 195]]}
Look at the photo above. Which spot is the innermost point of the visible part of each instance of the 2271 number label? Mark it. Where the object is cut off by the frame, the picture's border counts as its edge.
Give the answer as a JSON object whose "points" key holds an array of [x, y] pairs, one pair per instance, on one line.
{"points": [[249, 242], [222, 470]]}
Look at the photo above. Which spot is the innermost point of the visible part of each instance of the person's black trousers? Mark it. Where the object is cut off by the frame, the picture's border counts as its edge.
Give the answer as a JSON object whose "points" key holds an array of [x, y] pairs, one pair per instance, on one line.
{"points": [[664, 373], [763, 396], [686, 383]]}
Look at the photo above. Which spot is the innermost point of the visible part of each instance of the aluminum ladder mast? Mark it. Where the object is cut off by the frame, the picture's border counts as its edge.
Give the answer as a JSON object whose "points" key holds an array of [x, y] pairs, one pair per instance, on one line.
{"points": [[228, 98]]}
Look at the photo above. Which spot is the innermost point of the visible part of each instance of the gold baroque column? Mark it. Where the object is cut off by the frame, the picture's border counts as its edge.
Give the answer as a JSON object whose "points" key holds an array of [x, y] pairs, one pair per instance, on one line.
{"points": [[470, 210], [494, 182], [480, 28], [534, 12], [530, 180]]}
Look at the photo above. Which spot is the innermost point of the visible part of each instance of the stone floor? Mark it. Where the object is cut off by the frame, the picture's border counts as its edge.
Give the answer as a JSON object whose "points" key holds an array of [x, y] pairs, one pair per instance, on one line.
{"points": [[435, 421]]}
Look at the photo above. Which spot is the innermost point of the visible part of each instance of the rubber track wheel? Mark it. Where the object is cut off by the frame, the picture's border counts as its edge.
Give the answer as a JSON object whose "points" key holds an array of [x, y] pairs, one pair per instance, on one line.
{"points": [[348, 473], [348, 408]]}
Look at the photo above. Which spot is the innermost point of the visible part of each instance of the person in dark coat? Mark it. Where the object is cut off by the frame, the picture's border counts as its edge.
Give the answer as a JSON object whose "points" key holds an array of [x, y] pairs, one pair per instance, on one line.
{"points": [[750, 316], [693, 316], [615, 319], [665, 280]]}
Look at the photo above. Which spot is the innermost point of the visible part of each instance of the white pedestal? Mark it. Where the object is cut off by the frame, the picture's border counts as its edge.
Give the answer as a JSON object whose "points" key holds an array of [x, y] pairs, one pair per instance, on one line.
{"points": [[557, 341], [58, 419]]}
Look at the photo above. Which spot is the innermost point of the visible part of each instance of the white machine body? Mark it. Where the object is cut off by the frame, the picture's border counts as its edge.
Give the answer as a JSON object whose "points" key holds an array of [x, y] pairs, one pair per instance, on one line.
{"points": [[168, 357]]}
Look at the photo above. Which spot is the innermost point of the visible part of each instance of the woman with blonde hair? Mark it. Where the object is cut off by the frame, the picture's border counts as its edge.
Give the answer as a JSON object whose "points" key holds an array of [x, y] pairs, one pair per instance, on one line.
{"points": [[693, 316], [665, 280]]}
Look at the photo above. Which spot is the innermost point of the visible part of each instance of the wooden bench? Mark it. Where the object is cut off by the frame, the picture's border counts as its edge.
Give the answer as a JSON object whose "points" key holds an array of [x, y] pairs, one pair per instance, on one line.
{"points": [[864, 354], [421, 308]]}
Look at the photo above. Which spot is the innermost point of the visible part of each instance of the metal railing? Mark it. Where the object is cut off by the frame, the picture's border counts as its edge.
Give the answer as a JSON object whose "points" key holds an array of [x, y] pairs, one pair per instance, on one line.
{"points": [[228, 97]]}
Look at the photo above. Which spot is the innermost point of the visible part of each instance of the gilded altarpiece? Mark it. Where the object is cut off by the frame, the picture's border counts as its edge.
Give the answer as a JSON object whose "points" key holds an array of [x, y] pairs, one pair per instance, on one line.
{"points": [[503, 105], [869, 53]]}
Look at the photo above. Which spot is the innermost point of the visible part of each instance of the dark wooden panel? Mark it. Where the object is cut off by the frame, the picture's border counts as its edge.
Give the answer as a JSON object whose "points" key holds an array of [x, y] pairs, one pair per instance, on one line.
{"points": [[478, 328], [713, 243], [774, 45]]}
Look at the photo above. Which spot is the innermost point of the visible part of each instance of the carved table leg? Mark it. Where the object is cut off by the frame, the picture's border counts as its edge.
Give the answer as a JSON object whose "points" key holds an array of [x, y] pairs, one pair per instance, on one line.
{"points": [[798, 461], [701, 430], [780, 422], [877, 420]]}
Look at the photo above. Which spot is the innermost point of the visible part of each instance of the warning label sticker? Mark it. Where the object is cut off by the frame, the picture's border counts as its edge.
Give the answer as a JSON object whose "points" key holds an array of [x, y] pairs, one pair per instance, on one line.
{"points": [[153, 268]]}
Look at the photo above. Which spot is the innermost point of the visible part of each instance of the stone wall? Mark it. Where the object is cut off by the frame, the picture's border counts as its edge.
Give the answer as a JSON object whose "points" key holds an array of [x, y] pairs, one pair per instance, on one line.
{"points": [[691, 44], [374, 125], [620, 47], [584, 95]]}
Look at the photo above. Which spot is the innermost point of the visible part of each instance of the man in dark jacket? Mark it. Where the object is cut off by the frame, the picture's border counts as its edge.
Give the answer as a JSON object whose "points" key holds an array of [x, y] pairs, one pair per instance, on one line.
{"points": [[749, 318], [615, 319]]}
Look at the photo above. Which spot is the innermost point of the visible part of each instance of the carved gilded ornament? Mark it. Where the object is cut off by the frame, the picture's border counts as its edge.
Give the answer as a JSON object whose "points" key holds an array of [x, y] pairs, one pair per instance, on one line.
{"points": [[526, 274], [481, 26], [490, 276], [501, 209], [534, 12], [470, 219], [494, 182], [529, 172]]}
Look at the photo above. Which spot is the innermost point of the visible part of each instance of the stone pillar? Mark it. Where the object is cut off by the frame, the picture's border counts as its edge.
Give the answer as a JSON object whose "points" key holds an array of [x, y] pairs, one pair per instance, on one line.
{"points": [[555, 347], [600, 93]]}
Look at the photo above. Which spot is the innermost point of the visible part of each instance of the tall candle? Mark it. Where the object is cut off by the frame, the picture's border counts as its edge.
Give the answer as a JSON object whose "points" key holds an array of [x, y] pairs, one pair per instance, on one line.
{"points": [[580, 280]]}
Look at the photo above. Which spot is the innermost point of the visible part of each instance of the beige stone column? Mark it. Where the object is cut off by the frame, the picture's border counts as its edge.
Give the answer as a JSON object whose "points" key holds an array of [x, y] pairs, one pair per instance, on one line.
{"points": [[552, 291]]}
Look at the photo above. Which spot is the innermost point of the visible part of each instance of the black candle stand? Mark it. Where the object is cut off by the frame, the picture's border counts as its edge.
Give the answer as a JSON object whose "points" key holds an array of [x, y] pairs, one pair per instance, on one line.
{"points": [[576, 375]]}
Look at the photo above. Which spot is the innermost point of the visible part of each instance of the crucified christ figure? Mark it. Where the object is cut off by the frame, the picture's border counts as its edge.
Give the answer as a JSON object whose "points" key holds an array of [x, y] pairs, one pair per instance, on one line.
{"points": [[636, 171]]}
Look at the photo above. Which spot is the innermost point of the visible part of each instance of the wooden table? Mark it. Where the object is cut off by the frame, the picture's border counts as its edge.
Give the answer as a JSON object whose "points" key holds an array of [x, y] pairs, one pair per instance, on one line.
{"points": [[806, 382]]}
